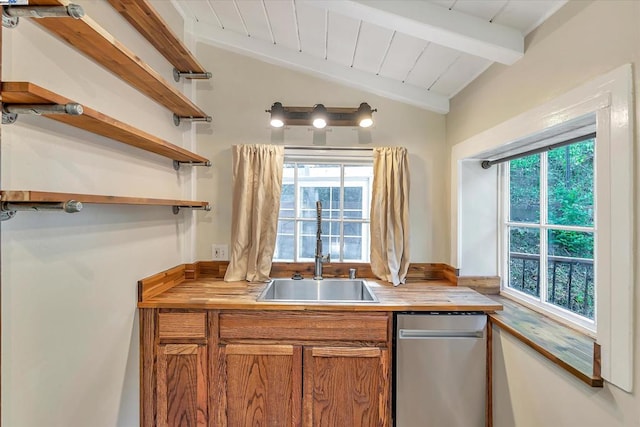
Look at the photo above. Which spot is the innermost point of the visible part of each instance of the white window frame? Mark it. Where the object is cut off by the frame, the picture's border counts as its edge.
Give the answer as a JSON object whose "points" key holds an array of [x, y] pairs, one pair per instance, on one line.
{"points": [[540, 303], [475, 226], [343, 158]]}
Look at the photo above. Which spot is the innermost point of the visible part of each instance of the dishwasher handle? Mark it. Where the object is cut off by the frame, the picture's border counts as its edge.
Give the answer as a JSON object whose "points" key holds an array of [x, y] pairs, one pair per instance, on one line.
{"points": [[430, 334]]}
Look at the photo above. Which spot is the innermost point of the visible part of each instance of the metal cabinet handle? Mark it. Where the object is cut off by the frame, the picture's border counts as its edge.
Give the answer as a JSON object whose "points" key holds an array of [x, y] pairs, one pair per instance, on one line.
{"points": [[422, 334]]}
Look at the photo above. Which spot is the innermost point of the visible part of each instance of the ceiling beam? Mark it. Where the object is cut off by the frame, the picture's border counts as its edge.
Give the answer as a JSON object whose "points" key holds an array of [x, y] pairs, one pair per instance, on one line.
{"points": [[328, 70], [436, 24]]}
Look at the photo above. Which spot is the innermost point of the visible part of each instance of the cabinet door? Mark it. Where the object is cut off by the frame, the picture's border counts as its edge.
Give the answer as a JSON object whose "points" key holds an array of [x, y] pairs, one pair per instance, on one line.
{"points": [[182, 385], [263, 385], [346, 387]]}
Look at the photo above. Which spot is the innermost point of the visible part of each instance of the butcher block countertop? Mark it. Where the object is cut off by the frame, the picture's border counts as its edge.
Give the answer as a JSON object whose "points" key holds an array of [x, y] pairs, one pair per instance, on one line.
{"points": [[213, 293]]}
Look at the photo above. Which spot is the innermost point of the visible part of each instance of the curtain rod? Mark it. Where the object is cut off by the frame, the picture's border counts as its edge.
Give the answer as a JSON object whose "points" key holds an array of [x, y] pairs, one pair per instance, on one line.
{"points": [[486, 164], [306, 147]]}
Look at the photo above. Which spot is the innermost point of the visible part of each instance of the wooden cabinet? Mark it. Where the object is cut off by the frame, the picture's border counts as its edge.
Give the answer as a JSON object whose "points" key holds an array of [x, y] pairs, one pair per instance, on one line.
{"points": [[174, 377], [246, 369], [346, 386], [262, 384], [182, 385]]}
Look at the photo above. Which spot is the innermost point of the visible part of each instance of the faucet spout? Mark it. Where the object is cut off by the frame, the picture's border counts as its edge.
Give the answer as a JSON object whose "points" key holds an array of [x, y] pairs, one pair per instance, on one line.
{"points": [[319, 258]]}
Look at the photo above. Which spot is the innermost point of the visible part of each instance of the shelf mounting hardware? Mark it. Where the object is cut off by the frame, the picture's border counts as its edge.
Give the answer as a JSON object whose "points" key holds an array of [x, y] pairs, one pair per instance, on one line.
{"points": [[11, 14], [177, 119], [8, 209], [176, 209], [178, 163], [190, 75], [10, 111]]}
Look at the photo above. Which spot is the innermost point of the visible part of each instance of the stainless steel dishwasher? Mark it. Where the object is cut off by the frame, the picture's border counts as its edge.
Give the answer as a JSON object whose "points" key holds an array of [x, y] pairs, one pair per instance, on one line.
{"points": [[440, 369]]}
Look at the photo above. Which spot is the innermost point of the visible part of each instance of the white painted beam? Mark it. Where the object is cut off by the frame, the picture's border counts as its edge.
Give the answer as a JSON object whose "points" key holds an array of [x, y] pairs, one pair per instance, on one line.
{"points": [[301, 61], [436, 24]]}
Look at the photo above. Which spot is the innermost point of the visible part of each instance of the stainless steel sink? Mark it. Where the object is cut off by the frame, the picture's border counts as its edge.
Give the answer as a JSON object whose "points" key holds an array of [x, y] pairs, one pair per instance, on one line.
{"points": [[321, 291]]}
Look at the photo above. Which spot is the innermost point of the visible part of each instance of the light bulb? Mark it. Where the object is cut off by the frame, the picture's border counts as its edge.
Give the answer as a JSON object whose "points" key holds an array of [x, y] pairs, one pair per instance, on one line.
{"points": [[319, 123], [366, 122]]}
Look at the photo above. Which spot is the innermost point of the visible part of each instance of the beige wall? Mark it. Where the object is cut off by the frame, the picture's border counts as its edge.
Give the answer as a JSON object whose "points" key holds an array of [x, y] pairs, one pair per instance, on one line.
{"points": [[242, 88], [69, 323], [582, 40]]}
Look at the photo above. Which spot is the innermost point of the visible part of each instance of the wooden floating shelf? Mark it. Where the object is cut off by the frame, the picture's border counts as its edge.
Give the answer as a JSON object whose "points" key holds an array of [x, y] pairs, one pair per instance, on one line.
{"points": [[95, 42], [96, 122], [150, 24], [49, 197]]}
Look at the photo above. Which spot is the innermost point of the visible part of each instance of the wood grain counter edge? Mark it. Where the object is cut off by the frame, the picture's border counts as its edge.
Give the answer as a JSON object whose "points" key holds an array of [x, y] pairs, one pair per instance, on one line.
{"points": [[569, 349]]}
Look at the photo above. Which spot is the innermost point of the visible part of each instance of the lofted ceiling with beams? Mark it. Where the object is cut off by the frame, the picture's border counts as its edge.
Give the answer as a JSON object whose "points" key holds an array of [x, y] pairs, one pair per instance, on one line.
{"points": [[421, 52]]}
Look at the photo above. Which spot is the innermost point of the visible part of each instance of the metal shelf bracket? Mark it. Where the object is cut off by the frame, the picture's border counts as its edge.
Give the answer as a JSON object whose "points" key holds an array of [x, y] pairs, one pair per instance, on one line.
{"points": [[9, 209], [190, 75], [10, 111], [177, 119], [11, 14], [9, 118], [176, 209], [178, 163]]}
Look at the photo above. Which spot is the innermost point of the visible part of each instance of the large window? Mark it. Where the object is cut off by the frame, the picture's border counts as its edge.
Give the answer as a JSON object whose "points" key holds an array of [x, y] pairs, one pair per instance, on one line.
{"points": [[550, 230], [345, 192]]}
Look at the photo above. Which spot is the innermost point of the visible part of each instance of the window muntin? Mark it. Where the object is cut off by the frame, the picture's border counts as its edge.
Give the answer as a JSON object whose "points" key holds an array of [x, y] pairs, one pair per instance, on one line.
{"points": [[550, 231], [345, 192]]}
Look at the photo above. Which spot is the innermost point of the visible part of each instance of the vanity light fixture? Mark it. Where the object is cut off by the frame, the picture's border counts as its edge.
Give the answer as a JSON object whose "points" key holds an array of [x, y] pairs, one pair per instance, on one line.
{"points": [[277, 115], [320, 116], [365, 118]]}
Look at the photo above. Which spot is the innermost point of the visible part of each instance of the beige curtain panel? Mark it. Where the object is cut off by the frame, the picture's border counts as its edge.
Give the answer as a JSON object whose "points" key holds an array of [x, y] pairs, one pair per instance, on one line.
{"points": [[257, 184], [390, 214]]}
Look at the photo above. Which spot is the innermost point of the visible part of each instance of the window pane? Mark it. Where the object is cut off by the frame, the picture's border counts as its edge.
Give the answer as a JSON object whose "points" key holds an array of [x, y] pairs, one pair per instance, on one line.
{"points": [[307, 247], [322, 182], [570, 182], [570, 276], [353, 197], [524, 189], [308, 198], [357, 193], [284, 248], [524, 260], [333, 249], [286, 227], [287, 199], [353, 203], [575, 244], [353, 249], [354, 214], [353, 229], [308, 228]]}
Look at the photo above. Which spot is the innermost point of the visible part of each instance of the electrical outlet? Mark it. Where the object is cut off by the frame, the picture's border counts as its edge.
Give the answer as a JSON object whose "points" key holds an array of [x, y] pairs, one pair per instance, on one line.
{"points": [[220, 252]]}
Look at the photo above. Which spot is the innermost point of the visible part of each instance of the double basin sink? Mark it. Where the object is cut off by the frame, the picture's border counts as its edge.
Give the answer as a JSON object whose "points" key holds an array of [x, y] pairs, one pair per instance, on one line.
{"points": [[319, 291]]}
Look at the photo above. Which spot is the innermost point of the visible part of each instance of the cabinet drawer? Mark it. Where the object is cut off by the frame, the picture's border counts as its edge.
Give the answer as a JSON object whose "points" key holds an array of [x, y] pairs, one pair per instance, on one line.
{"points": [[304, 326], [182, 325]]}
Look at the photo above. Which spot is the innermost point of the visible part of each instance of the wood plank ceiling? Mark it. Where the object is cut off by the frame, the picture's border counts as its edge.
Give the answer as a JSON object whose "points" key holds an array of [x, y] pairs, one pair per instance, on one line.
{"points": [[421, 52]]}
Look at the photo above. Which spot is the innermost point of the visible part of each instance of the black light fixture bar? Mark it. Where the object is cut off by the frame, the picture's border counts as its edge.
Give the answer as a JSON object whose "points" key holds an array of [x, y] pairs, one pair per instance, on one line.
{"points": [[303, 116]]}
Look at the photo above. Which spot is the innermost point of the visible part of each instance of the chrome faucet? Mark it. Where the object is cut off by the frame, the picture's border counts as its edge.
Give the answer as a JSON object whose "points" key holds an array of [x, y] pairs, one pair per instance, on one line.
{"points": [[319, 259]]}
